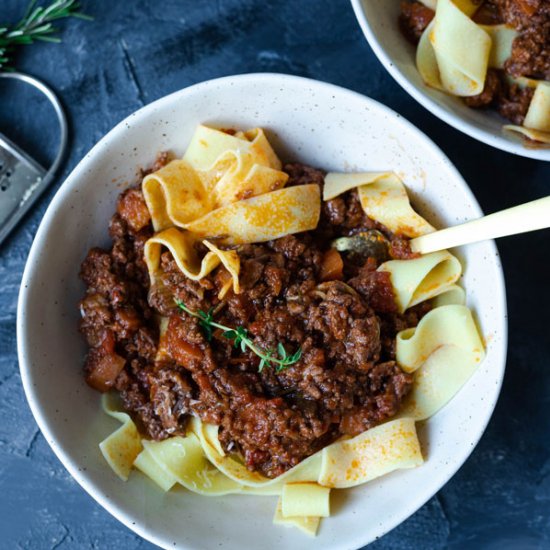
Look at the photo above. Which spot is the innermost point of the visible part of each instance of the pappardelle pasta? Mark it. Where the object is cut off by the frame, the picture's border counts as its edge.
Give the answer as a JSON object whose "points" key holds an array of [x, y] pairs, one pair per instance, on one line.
{"points": [[265, 330], [490, 53]]}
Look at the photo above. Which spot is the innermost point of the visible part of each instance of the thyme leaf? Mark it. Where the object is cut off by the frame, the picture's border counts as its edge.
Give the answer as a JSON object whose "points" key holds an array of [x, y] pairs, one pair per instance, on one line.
{"points": [[279, 360]]}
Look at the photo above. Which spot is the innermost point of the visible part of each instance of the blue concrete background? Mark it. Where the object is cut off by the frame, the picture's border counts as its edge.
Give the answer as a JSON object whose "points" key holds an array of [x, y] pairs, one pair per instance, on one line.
{"points": [[137, 51]]}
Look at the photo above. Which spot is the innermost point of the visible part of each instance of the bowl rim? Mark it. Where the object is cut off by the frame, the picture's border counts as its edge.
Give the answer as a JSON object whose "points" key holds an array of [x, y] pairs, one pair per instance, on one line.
{"points": [[457, 122], [23, 332]]}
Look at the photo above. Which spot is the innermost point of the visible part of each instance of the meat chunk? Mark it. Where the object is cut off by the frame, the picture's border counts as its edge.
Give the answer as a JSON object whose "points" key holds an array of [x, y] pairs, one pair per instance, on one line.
{"points": [[96, 272], [414, 19], [513, 102], [376, 287], [171, 393], [133, 210], [490, 91]]}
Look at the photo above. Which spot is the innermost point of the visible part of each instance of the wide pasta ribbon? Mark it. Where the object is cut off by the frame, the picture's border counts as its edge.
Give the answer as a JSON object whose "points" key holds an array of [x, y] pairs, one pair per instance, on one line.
{"points": [[307, 524], [443, 351], [502, 37], [227, 189], [209, 149], [536, 125], [217, 169], [423, 278], [444, 55], [182, 247], [262, 218], [182, 460], [383, 198], [454, 52], [450, 325], [305, 499], [175, 195], [146, 463], [374, 453], [121, 448]]}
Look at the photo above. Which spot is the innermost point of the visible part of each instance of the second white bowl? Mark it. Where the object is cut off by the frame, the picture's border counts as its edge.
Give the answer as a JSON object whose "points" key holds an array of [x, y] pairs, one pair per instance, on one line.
{"points": [[379, 22]]}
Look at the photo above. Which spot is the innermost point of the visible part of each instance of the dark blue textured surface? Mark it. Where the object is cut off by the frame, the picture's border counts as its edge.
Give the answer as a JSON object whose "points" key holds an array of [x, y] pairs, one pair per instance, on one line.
{"points": [[135, 52]]}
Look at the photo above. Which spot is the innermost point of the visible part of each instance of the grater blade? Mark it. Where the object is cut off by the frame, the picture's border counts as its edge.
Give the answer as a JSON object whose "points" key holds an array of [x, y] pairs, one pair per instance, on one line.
{"points": [[20, 175]]}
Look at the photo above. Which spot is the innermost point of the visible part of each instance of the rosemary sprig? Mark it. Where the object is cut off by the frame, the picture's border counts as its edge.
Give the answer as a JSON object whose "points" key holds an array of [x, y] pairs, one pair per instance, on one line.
{"points": [[36, 24], [279, 359]]}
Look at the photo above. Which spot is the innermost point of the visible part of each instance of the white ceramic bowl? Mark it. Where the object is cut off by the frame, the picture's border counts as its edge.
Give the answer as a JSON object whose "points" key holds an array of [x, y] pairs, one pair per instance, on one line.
{"points": [[378, 20], [306, 120]]}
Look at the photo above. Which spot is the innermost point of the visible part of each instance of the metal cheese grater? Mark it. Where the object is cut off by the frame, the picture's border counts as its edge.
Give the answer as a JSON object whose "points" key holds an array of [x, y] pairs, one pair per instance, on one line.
{"points": [[22, 179]]}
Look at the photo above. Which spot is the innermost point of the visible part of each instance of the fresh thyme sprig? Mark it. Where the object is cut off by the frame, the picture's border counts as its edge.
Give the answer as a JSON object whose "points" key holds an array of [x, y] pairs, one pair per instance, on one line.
{"points": [[279, 359], [36, 24]]}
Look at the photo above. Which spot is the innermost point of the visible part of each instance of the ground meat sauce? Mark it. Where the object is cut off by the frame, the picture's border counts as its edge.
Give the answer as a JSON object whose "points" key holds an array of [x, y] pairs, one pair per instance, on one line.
{"points": [[343, 317], [530, 55]]}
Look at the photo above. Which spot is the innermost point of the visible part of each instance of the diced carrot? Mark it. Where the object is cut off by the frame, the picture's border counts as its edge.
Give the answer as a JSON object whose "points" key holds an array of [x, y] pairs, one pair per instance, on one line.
{"points": [[183, 352], [103, 369], [332, 266]]}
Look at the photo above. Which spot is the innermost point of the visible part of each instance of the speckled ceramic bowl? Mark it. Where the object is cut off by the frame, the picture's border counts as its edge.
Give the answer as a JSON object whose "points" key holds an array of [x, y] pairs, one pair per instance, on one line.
{"points": [[378, 20], [309, 121]]}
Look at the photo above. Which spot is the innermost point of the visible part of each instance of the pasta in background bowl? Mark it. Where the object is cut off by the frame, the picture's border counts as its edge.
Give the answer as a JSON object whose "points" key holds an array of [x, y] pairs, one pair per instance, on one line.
{"points": [[307, 121], [379, 20]]}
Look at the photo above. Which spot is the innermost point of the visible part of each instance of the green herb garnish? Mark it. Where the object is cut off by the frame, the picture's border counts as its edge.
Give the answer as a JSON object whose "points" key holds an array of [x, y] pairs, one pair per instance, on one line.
{"points": [[279, 359], [36, 24]]}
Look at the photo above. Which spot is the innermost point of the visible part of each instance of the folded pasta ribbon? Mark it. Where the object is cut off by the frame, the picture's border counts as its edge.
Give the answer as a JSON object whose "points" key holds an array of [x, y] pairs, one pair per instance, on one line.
{"points": [[454, 53], [502, 37], [217, 169], [443, 351], [307, 524], [182, 247], [121, 448], [175, 195], [423, 278], [536, 125], [211, 150], [262, 218], [182, 460], [383, 198], [376, 452], [444, 55], [305, 499], [327, 466], [146, 463], [302, 505], [228, 189]]}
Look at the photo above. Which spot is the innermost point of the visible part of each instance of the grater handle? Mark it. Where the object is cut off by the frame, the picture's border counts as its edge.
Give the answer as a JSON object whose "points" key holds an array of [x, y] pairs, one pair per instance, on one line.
{"points": [[63, 140]]}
